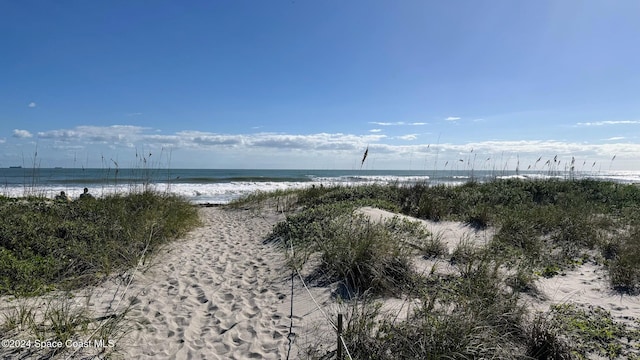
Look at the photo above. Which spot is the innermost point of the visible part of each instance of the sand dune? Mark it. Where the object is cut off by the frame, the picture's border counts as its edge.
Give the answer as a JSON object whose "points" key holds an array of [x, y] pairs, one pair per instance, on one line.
{"points": [[450, 232], [585, 285], [223, 293]]}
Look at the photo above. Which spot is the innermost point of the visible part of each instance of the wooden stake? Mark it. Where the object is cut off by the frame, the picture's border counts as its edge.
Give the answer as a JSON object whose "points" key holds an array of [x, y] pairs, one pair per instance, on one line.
{"points": [[339, 352]]}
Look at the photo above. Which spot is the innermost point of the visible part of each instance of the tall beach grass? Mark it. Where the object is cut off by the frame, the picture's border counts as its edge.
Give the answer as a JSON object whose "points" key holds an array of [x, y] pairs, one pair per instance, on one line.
{"points": [[542, 229], [52, 253]]}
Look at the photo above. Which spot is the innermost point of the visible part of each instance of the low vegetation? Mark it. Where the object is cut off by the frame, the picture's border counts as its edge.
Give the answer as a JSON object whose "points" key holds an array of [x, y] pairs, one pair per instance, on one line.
{"points": [[47, 245], [542, 229], [55, 324], [592, 330], [50, 248]]}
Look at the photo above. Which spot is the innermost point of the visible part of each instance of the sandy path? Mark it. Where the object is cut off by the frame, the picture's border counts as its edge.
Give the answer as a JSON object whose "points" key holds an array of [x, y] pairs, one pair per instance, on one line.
{"points": [[213, 295]]}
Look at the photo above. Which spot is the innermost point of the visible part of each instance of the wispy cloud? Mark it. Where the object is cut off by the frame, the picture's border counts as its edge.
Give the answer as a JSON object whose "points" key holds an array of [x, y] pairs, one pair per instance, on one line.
{"points": [[408, 137], [398, 123], [198, 138], [453, 118], [605, 123], [32, 104], [615, 138], [21, 134], [320, 141], [258, 149], [375, 130], [115, 134], [128, 134], [532, 147], [3, 140]]}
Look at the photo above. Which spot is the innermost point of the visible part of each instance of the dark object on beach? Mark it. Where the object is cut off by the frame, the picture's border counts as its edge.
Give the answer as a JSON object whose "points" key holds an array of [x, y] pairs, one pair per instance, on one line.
{"points": [[85, 195], [62, 197], [209, 205]]}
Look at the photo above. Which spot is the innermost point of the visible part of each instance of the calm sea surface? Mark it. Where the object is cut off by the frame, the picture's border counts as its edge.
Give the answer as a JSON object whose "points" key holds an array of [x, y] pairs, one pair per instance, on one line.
{"points": [[219, 186]]}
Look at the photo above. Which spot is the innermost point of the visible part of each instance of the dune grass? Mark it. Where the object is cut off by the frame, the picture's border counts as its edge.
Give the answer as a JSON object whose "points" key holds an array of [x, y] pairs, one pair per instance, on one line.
{"points": [[543, 228], [552, 224], [56, 324], [47, 245], [49, 249], [466, 317]]}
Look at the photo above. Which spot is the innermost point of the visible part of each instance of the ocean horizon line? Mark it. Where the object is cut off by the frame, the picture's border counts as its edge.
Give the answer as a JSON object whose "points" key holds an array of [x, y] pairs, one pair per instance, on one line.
{"points": [[220, 186]]}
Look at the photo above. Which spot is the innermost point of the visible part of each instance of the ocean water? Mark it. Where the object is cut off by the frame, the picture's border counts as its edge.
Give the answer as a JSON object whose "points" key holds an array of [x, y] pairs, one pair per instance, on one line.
{"points": [[219, 186]]}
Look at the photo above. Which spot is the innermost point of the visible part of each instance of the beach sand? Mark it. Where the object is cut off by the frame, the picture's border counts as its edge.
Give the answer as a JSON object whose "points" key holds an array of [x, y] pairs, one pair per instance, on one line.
{"points": [[223, 292], [219, 293], [213, 295]]}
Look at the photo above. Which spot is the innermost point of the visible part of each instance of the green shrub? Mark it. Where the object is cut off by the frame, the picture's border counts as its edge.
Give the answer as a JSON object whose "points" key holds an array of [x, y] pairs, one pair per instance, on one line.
{"points": [[592, 331], [545, 340], [45, 244], [464, 317], [368, 256]]}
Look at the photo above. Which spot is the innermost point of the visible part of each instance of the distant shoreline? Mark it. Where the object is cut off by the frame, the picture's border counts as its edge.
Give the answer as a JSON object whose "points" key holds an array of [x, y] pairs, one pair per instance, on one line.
{"points": [[220, 186]]}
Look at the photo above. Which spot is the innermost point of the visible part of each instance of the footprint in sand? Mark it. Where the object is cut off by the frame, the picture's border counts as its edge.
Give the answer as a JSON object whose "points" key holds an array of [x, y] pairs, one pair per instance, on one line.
{"points": [[200, 296], [172, 289], [249, 314], [221, 348]]}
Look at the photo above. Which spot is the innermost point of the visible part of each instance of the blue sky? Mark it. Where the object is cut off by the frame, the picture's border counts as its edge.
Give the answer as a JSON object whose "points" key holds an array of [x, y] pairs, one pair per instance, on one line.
{"points": [[311, 84]]}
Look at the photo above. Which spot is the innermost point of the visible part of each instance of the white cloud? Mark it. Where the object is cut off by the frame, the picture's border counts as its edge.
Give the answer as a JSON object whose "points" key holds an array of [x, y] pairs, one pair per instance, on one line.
{"points": [[334, 149], [21, 134], [398, 123], [96, 134], [615, 138], [32, 104], [408, 137], [3, 140], [127, 135], [547, 148], [62, 146], [198, 138], [605, 123], [320, 141], [453, 118]]}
